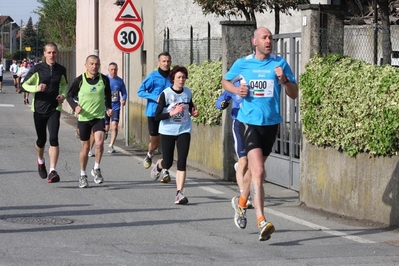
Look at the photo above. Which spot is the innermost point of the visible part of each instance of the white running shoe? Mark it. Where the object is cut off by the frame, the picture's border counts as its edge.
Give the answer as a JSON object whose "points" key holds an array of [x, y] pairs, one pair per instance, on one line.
{"points": [[83, 181], [111, 149], [180, 198], [154, 172], [98, 177]]}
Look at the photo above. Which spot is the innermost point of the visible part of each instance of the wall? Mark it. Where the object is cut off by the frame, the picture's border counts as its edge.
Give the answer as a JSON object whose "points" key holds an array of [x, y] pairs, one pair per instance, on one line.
{"points": [[186, 11], [362, 187]]}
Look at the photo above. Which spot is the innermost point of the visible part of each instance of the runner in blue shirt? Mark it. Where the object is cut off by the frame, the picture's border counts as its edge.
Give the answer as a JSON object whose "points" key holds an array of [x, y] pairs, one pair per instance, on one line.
{"points": [[150, 89], [241, 166], [262, 76], [118, 99]]}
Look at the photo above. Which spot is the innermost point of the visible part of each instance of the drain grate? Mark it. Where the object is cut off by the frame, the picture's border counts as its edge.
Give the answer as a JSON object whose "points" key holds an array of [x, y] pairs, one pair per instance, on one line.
{"points": [[39, 220]]}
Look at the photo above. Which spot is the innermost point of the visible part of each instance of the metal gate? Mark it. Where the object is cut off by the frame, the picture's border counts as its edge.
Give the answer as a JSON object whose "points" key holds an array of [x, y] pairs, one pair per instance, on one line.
{"points": [[282, 166]]}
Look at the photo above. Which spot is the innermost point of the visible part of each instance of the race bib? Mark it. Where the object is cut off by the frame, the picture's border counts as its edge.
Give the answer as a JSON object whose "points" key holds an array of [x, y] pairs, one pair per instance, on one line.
{"points": [[261, 88], [181, 117], [114, 96]]}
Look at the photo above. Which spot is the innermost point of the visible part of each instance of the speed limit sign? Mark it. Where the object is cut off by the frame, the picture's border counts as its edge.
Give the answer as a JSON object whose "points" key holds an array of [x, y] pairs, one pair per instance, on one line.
{"points": [[128, 37]]}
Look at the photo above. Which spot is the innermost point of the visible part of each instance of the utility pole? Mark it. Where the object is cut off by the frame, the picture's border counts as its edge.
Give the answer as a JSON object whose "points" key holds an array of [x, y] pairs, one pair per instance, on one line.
{"points": [[10, 36], [2, 43], [37, 41], [20, 41]]}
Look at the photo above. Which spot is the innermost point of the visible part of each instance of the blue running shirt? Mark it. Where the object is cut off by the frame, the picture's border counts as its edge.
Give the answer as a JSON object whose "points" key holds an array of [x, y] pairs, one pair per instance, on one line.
{"points": [[261, 106]]}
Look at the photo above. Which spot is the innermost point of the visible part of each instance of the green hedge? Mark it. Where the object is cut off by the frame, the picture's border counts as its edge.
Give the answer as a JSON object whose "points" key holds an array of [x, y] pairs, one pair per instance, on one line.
{"points": [[350, 105], [205, 83]]}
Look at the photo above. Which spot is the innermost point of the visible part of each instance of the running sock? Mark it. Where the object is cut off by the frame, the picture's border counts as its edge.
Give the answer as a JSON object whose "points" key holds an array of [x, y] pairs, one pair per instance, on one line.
{"points": [[260, 219], [40, 161], [82, 172], [242, 202], [149, 155], [52, 169], [96, 165]]}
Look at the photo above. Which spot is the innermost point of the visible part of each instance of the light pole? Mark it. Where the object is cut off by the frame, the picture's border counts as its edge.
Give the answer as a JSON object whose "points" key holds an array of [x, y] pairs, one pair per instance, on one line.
{"points": [[2, 44], [10, 36], [20, 41], [37, 41]]}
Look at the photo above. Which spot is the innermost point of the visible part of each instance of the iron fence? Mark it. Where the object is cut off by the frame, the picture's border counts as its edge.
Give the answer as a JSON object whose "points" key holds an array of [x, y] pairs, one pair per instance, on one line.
{"points": [[187, 51]]}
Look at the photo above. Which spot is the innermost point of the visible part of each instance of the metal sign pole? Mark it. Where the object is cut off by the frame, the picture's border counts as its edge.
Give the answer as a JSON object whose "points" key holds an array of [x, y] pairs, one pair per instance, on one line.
{"points": [[127, 67]]}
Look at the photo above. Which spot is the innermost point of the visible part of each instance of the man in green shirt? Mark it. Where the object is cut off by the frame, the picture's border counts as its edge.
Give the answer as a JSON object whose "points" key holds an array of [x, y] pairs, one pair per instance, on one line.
{"points": [[92, 89]]}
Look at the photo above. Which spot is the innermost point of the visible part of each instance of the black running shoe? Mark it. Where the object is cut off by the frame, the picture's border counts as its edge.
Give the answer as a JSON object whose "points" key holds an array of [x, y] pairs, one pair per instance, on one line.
{"points": [[53, 177], [42, 170]]}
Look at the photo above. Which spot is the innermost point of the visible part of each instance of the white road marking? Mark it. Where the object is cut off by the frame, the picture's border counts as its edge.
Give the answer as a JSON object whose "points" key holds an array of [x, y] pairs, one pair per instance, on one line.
{"points": [[212, 190], [290, 218], [6, 105], [209, 189], [319, 227]]}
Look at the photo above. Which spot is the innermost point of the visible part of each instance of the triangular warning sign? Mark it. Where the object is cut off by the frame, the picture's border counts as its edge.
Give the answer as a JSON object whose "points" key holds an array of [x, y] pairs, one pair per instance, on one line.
{"points": [[128, 13]]}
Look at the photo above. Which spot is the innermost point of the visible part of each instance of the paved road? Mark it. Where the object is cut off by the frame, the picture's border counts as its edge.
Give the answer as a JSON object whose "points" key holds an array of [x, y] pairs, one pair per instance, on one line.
{"points": [[132, 220]]}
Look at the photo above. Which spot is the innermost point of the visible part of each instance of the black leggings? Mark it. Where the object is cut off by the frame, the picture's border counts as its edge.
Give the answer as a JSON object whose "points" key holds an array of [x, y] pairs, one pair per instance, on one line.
{"points": [[50, 121], [168, 147]]}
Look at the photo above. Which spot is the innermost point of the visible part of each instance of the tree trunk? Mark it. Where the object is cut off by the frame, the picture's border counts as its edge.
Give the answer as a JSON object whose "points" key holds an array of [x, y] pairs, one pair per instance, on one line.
{"points": [[386, 32], [276, 19]]}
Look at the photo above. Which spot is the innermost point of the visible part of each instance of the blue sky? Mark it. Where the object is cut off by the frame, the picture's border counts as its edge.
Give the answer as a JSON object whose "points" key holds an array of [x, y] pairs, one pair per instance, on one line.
{"points": [[19, 9]]}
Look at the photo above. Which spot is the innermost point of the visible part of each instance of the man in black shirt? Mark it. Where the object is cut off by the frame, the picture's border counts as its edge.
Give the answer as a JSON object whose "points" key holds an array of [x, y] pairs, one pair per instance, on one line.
{"points": [[48, 83]]}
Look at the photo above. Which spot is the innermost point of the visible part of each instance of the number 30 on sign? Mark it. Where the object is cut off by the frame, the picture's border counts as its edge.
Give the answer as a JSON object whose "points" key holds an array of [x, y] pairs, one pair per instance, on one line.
{"points": [[128, 37]]}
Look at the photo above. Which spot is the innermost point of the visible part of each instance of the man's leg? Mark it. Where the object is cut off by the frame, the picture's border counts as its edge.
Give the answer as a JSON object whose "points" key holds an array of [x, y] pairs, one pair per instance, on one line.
{"points": [[54, 152], [84, 134], [255, 175], [53, 126], [114, 134], [153, 128], [15, 83], [153, 145], [40, 122], [99, 145], [91, 145], [83, 155], [98, 130]]}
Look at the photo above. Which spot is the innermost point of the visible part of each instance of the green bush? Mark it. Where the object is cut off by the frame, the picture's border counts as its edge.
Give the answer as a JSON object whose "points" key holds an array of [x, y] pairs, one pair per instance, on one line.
{"points": [[205, 83], [350, 105]]}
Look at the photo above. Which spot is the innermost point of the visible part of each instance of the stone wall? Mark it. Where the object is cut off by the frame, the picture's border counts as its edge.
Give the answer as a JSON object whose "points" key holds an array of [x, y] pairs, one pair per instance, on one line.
{"points": [[362, 187]]}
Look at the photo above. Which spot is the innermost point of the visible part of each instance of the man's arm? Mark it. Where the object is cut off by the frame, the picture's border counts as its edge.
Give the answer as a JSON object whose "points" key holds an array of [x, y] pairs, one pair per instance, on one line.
{"points": [[73, 93], [108, 102], [223, 101], [145, 89], [123, 91], [31, 81], [291, 88]]}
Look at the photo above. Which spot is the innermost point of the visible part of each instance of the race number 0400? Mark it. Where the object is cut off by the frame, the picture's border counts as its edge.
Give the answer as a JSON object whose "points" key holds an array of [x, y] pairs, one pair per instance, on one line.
{"points": [[128, 37]]}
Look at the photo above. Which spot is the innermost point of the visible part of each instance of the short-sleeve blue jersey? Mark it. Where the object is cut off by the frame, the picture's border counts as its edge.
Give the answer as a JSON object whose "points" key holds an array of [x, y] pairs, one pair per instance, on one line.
{"points": [[261, 106]]}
